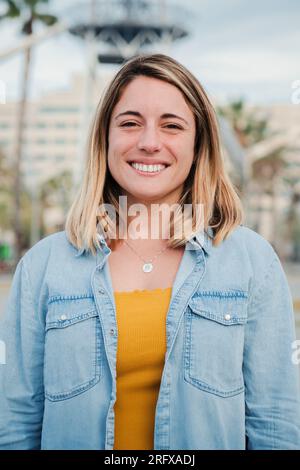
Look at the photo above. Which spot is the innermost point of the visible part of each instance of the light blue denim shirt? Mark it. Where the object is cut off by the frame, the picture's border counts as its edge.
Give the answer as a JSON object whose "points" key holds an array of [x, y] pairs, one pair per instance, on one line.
{"points": [[228, 380]]}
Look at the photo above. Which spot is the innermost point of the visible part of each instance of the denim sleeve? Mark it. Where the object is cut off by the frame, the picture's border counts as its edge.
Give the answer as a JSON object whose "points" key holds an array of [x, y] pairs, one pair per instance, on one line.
{"points": [[272, 396], [21, 374]]}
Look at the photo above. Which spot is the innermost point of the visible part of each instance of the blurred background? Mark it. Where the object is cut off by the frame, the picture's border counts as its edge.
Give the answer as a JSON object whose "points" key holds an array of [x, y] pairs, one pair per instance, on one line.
{"points": [[56, 59]]}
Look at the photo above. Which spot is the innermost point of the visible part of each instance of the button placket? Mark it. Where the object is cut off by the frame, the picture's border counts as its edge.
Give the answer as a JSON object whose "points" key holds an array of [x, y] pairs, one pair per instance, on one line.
{"points": [[112, 331]]}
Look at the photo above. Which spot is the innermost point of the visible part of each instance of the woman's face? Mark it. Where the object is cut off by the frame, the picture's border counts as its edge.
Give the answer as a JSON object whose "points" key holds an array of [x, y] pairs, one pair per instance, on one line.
{"points": [[151, 125]]}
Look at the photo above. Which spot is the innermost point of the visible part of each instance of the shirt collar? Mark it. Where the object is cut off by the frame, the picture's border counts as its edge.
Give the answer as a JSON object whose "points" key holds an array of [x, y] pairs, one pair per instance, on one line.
{"points": [[101, 241], [202, 239]]}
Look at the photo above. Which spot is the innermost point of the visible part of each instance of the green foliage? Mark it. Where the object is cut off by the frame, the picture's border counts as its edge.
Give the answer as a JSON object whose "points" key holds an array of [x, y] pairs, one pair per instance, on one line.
{"points": [[249, 127], [7, 199], [56, 192], [13, 11], [28, 11], [6, 192]]}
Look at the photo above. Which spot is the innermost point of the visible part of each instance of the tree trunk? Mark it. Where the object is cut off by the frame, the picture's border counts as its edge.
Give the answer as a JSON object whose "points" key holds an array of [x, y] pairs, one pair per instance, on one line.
{"points": [[21, 117]]}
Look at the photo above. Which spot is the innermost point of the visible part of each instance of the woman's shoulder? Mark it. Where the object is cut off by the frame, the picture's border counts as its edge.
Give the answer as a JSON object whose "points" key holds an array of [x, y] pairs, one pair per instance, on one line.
{"points": [[243, 246], [248, 245], [55, 241], [51, 252], [250, 259], [252, 240]]}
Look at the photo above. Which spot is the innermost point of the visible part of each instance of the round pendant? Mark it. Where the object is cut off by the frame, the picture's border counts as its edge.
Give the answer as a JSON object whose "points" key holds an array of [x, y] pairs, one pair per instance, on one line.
{"points": [[147, 267]]}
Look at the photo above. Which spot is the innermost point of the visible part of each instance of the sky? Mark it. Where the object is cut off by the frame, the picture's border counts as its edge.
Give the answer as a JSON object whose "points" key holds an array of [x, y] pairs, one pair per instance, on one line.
{"points": [[236, 48]]}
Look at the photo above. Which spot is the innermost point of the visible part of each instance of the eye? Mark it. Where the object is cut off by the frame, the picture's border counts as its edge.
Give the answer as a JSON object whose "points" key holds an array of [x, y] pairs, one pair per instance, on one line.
{"points": [[173, 126], [128, 124], [132, 124]]}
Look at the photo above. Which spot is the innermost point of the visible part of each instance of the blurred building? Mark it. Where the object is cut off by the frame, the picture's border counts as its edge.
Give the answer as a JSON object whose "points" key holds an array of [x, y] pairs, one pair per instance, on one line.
{"points": [[53, 131], [274, 180]]}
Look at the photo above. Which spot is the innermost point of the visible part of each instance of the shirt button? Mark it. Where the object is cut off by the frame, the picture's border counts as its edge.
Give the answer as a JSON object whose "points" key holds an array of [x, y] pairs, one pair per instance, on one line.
{"points": [[227, 316], [63, 317], [112, 331], [101, 291]]}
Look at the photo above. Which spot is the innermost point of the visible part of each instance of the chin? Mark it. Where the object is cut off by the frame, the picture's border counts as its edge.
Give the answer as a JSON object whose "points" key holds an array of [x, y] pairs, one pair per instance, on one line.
{"points": [[145, 196]]}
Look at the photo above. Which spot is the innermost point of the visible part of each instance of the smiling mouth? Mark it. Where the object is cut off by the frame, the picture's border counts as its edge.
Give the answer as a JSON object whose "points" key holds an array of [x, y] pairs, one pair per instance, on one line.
{"points": [[148, 170]]}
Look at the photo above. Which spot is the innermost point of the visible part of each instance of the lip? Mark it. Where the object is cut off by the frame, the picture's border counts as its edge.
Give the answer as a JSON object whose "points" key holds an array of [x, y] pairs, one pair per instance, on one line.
{"points": [[147, 162]]}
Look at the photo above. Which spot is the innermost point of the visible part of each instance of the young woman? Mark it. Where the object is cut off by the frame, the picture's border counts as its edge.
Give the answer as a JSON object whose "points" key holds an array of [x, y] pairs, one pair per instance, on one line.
{"points": [[120, 339]]}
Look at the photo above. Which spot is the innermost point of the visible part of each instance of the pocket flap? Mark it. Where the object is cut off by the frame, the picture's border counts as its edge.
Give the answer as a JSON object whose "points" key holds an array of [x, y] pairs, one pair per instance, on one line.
{"points": [[224, 308], [65, 312]]}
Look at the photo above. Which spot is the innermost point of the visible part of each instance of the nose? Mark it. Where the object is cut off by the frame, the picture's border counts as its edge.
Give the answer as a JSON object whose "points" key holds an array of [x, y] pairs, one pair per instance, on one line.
{"points": [[149, 140]]}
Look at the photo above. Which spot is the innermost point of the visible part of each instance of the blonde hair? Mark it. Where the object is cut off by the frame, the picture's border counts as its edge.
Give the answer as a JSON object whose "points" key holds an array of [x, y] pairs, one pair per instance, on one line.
{"points": [[207, 182]]}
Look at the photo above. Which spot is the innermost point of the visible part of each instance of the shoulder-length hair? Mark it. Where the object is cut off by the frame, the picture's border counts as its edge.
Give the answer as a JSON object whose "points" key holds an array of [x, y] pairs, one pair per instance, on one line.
{"points": [[207, 183]]}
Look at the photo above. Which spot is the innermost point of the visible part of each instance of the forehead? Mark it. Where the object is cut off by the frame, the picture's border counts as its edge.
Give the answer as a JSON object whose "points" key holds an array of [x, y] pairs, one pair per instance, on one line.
{"points": [[152, 93]]}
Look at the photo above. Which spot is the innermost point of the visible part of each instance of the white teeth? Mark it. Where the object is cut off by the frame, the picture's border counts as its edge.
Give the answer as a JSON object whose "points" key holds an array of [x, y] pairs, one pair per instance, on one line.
{"points": [[148, 168]]}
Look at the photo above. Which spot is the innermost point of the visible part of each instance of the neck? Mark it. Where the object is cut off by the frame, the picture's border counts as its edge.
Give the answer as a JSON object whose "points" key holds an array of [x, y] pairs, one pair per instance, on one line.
{"points": [[148, 220]]}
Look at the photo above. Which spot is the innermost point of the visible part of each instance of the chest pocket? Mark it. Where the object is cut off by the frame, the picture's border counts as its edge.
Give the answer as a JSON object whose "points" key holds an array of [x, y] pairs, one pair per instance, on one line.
{"points": [[73, 348], [214, 341]]}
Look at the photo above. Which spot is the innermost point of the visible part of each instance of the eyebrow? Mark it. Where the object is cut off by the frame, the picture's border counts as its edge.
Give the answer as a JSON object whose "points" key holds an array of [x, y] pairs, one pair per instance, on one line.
{"points": [[163, 116]]}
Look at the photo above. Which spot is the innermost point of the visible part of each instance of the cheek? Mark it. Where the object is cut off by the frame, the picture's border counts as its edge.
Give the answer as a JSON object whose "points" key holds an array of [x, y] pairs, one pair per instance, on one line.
{"points": [[112, 160], [114, 149], [119, 146], [184, 154]]}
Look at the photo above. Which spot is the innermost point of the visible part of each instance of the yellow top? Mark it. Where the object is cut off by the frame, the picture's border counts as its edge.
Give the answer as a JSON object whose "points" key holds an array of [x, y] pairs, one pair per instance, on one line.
{"points": [[141, 322]]}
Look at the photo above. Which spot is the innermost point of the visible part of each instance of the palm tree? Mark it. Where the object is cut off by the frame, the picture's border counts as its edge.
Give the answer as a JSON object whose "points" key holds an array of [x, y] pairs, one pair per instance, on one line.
{"points": [[6, 206], [248, 126], [56, 193], [266, 169], [28, 11]]}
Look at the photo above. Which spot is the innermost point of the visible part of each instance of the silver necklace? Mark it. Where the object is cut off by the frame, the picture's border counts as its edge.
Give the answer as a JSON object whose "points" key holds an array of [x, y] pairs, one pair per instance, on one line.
{"points": [[147, 266]]}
